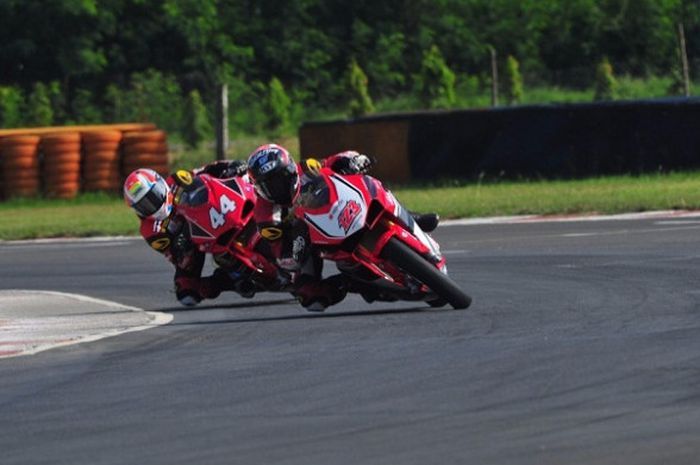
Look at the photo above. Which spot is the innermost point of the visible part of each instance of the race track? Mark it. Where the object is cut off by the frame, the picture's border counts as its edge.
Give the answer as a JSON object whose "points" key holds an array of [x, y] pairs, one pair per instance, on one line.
{"points": [[582, 346]]}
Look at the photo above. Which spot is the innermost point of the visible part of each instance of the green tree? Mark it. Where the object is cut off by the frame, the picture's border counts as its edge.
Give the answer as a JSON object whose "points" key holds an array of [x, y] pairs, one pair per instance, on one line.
{"points": [[360, 100], [513, 81], [278, 105], [436, 82], [605, 82], [39, 112], [196, 122]]}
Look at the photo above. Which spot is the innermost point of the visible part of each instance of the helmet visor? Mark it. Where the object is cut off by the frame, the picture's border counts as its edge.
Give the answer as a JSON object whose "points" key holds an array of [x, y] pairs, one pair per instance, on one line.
{"points": [[152, 201], [279, 188]]}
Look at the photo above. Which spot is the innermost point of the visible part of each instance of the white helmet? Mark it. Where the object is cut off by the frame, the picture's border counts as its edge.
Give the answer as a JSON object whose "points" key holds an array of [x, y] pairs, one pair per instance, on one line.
{"points": [[148, 194]]}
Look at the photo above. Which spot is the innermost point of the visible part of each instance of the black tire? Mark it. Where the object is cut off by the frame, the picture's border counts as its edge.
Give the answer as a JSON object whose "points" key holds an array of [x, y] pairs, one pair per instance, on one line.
{"points": [[415, 265]]}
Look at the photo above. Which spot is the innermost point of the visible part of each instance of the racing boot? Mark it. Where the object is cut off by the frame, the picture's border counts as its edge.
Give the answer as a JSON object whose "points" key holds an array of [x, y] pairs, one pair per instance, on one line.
{"points": [[316, 296], [426, 221], [223, 280]]}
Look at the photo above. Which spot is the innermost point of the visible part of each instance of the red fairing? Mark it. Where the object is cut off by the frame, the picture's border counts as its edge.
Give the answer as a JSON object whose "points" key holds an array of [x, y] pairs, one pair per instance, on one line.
{"points": [[345, 205], [223, 210], [216, 207]]}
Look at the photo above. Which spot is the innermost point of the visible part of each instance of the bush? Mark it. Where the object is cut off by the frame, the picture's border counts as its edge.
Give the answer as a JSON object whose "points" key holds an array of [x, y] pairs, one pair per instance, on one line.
{"points": [[436, 82], [83, 108], [11, 102], [39, 112], [278, 105], [605, 82], [360, 101], [59, 105], [513, 81], [115, 107], [196, 126], [156, 97]]}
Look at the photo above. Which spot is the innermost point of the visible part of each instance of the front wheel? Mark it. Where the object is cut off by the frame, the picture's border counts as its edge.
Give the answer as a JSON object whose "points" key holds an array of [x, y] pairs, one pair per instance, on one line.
{"points": [[414, 264]]}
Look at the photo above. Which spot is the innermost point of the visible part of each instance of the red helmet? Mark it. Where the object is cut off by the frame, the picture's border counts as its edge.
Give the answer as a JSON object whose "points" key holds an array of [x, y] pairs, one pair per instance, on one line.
{"points": [[148, 194], [274, 174]]}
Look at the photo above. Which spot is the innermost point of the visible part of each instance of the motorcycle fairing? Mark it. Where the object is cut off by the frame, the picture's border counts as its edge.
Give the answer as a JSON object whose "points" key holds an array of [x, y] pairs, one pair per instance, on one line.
{"points": [[347, 213]]}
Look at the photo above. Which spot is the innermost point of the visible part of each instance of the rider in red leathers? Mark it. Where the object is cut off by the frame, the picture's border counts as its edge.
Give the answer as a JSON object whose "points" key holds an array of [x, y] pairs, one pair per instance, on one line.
{"points": [[278, 182], [154, 200]]}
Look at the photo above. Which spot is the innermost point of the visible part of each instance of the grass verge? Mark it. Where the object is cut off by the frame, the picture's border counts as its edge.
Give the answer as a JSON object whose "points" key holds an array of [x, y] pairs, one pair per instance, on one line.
{"points": [[102, 214]]}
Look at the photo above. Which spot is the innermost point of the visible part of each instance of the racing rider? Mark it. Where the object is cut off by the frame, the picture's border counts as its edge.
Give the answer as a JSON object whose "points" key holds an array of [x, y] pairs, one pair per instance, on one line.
{"points": [[154, 200], [278, 182]]}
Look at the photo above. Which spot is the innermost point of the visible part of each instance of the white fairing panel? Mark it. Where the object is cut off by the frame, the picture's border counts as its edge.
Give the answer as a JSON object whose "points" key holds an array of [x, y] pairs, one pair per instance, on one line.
{"points": [[346, 216]]}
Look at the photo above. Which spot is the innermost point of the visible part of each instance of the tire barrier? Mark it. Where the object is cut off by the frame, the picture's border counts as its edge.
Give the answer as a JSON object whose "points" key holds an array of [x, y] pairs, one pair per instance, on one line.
{"points": [[61, 164], [145, 149], [66, 160], [19, 156], [101, 160]]}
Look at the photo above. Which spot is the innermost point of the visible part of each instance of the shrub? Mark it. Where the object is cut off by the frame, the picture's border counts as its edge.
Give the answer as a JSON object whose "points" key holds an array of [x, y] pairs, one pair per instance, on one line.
{"points": [[278, 105], [513, 81], [196, 126], [436, 82], [11, 102], [156, 97], [83, 108], [39, 112], [360, 101], [605, 82]]}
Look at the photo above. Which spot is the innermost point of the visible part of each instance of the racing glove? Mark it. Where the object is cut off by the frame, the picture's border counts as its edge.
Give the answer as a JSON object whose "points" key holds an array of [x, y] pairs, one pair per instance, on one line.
{"points": [[352, 162], [226, 168]]}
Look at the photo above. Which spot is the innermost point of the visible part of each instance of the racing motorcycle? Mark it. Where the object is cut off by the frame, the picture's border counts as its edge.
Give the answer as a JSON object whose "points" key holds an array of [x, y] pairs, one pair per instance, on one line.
{"points": [[219, 213], [383, 254]]}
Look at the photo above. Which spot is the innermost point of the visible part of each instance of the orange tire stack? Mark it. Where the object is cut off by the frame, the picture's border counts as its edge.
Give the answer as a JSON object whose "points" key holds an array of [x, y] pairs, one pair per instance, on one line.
{"points": [[145, 149], [20, 165], [61, 168], [101, 161]]}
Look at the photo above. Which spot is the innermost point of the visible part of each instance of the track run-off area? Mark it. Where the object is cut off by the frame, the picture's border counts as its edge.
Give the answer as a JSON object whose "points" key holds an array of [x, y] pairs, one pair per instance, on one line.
{"points": [[582, 345]]}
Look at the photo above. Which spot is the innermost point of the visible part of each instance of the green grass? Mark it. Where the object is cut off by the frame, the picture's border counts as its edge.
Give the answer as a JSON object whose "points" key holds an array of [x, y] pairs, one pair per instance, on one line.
{"points": [[600, 195], [92, 214], [87, 215]]}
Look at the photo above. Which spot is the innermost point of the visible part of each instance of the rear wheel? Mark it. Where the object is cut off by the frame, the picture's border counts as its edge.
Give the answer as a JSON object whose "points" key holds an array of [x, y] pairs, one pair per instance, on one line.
{"points": [[415, 265]]}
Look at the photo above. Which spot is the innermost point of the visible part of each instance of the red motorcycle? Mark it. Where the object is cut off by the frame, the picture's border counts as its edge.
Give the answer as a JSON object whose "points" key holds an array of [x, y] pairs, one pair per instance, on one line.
{"points": [[219, 213], [357, 223]]}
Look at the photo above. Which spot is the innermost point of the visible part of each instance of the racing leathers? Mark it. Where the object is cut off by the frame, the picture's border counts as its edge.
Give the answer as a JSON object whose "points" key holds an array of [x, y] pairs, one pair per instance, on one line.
{"points": [[170, 237]]}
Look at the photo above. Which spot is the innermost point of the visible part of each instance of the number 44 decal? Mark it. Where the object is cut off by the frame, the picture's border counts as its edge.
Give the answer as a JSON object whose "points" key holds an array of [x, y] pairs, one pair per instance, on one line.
{"points": [[218, 218]]}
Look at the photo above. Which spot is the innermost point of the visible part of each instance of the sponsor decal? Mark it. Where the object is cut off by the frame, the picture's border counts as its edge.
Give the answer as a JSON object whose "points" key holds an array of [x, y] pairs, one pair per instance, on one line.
{"points": [[313, 166], [348, 214], [184, 177], [298, 248], [271, 234], [134, 188], [160, 244]]}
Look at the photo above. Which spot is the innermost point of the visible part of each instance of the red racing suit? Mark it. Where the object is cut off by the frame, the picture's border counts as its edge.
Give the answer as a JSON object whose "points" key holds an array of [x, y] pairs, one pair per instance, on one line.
{"points": [[170, 237]]}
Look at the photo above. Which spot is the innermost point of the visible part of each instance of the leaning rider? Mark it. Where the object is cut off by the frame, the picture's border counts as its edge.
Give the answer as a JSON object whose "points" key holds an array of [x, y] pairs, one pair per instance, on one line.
{"points": [[154, 200], [278, 182]]}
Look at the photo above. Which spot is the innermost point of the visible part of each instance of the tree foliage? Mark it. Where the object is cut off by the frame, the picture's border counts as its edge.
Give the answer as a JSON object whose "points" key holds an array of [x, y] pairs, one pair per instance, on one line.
{"points": [[513, 81], [605, 82], [89, 47], [360, 101], [278, 106], [196, 125], [436, 81]]}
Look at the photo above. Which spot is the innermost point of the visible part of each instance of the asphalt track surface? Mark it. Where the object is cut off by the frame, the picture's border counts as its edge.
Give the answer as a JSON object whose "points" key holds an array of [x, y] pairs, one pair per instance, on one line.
{"points": [[582, 346]]}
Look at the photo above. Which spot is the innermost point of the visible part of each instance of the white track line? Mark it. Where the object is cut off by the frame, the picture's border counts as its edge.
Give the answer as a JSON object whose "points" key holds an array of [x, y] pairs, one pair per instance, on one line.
{"points": [[665, 214], [26, 336]]}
